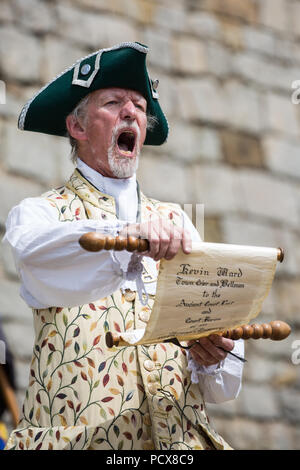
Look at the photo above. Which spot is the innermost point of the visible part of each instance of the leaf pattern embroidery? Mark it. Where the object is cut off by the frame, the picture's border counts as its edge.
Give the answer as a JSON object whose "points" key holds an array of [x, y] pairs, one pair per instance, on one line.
{"points": [[83, 395]]}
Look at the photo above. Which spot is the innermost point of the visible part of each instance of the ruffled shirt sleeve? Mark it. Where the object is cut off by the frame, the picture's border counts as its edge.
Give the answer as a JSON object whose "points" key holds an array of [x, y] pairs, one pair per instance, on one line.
{"points": [[220, 382], [54, 269]]}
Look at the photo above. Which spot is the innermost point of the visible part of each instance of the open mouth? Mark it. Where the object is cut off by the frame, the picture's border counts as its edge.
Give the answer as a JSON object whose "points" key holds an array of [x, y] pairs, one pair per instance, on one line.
{"points": [[126, 142]]}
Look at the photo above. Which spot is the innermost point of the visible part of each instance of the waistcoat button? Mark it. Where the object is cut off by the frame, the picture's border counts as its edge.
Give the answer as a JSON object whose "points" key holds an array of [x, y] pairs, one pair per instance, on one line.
{"points": [[149, 365], [129, 295], [144, 316], [153, 377], [153, 388]]}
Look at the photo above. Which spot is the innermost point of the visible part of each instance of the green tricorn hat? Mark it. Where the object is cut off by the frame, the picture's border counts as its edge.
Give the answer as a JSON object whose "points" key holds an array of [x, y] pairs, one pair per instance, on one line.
{"points": [[121, 66]]}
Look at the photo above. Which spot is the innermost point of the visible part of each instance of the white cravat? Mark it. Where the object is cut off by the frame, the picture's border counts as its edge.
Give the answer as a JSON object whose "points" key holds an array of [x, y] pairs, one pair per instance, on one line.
{"points": [[123, 190]]}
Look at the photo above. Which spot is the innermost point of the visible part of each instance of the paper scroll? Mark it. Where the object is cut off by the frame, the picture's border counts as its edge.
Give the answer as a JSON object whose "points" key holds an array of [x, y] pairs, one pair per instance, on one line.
{"points": [[216, 287]]}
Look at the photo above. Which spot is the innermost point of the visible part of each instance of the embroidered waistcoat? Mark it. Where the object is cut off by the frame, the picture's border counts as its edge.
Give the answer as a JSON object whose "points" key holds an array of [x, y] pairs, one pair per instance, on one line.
{"points": [[83, 395]]}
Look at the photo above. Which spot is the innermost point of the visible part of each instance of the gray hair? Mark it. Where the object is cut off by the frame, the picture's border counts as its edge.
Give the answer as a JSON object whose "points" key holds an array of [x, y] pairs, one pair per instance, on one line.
{"points": [[79, 113]]}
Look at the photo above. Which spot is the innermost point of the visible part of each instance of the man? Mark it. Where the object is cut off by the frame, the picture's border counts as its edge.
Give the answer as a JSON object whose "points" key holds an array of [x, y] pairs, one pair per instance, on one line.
{"points": [[81, 394]]}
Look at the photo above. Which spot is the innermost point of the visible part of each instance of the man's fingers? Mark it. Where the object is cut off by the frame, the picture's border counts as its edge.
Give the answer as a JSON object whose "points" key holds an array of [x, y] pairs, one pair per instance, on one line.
{"points": [[202, 356], [165, 239], [208, 351], [186, 242], [222, 342]]}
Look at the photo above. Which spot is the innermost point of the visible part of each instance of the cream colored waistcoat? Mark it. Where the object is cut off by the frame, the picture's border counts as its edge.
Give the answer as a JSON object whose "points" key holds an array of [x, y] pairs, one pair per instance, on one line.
{"points": [[82, 395]]}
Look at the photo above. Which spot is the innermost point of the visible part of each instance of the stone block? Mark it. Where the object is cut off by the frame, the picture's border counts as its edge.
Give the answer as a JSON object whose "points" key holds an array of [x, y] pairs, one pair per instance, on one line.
{"points": [[58, 56], [6, 11], [35, 15], [258, 191], [274, 14], [65, 165], [282, 155], [22, 371], [12, 107], [32, 155], [258, 401], [258, 369], [245, 10], [266, 73], [15, 189], [159, 42], [142, 11], [287, 294], [191, 143], [226, 409], [246, 231], [287, 50], [204, 25], [242, 149], [93, 30], [120, 30], [13, 309], [24, 58], [218, 59], [153, 174], [281, 115], [290, 400], [215, 187], [202, 100], [245, 434], [188, 55], [278, 374], [94, 4], [232, 34], [259, 40], [280, 436], [294, 17], [277, 350], [170, 17], [20, 338], [168, 92]]}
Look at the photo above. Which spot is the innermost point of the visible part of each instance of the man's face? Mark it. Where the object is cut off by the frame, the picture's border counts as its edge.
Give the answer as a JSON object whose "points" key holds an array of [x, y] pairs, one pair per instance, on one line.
{"points": [[114, 131]]}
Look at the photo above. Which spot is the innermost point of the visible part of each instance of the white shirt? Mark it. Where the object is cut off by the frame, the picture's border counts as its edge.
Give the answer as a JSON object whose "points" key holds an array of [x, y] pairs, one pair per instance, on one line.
{"points": [[55, 271]]}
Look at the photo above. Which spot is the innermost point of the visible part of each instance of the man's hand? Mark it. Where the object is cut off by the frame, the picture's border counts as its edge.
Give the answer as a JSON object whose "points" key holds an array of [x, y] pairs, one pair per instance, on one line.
{"points": [[165, 239], [206, 351]]}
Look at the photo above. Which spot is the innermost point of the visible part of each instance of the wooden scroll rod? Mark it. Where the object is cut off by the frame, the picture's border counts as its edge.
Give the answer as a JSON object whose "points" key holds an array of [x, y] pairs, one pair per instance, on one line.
{"points": [[276, 330], [95, 241]]}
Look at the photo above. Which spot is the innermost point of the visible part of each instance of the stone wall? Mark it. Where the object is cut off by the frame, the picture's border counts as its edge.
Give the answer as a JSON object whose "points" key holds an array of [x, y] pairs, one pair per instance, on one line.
{"points": [[225, 68]]}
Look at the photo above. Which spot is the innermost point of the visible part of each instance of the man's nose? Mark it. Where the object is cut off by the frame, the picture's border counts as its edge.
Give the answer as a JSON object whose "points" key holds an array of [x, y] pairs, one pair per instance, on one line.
{"points": [[128, 111]]}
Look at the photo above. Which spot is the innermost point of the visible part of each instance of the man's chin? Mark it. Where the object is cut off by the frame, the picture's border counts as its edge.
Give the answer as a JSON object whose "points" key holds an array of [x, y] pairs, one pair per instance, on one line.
{"points": [[123, 167]]}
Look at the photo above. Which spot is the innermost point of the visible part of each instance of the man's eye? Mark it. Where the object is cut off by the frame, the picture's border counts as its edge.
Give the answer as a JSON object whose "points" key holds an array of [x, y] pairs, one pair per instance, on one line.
{"points": [[112, 102], [141, 107]]}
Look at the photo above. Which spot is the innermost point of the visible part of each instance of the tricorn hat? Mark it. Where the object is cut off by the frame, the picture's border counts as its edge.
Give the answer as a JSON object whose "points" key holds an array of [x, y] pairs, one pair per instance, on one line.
{"points": [[122, 66]]}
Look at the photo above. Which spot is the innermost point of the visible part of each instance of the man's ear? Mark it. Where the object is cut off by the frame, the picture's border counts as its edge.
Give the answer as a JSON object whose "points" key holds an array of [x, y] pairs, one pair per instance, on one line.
{"points": [[75, 129]]}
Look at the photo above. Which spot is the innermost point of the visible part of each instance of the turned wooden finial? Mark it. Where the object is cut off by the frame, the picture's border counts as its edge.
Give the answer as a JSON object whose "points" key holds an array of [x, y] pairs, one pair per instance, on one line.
{"points": [[95, 241], [275, 330]]}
